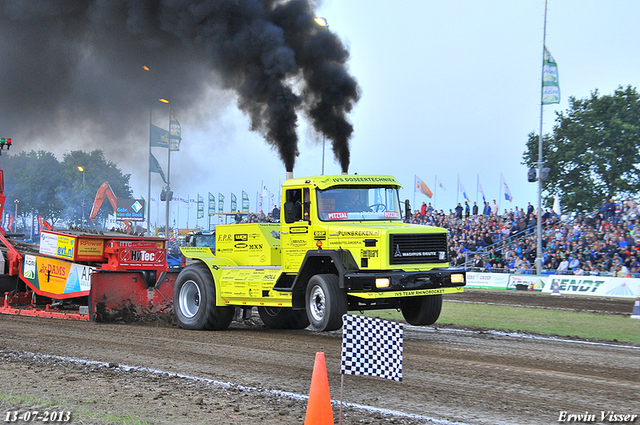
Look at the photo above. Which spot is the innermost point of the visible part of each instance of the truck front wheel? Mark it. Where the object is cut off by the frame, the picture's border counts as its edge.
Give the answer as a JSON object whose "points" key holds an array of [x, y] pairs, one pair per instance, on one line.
{"points": [[422, 311], [283, 318], [325, 302], [194, 300]]}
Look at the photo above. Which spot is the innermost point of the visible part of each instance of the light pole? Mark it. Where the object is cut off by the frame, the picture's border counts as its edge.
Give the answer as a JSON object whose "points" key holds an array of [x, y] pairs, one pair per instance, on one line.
{"points": [[323, 23], [15, 219], [168, 190], [81, 169], [146, 68]]}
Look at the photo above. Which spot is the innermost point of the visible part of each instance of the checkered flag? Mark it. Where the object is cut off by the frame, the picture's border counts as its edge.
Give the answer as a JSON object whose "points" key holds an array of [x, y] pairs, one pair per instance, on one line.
{"points": [[371, 347]]}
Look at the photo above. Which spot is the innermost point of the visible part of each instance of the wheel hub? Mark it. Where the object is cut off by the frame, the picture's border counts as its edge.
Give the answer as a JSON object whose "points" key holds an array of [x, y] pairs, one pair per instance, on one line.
{"points": [[318, 304], [189, 299]]}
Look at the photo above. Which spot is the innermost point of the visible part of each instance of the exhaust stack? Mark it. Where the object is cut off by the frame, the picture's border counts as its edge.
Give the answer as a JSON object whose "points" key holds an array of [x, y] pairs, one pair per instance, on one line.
{"points": [[289, 175]]}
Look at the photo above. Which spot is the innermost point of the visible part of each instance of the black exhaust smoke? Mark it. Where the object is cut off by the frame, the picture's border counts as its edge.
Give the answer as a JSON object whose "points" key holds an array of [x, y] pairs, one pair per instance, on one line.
{"points": [[80, 62]]}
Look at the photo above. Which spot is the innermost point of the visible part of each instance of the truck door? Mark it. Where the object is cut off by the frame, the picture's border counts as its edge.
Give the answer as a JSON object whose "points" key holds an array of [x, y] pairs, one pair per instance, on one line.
{"points": [[296, 236]]}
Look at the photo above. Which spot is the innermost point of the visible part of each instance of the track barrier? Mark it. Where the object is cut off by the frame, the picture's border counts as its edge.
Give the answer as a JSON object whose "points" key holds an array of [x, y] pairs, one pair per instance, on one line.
{"points": [[594, 286], [319, 411]]}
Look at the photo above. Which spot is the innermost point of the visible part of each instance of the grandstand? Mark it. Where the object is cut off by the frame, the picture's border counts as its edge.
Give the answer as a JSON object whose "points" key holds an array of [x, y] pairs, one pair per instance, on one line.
{"points": [[603, 243]]}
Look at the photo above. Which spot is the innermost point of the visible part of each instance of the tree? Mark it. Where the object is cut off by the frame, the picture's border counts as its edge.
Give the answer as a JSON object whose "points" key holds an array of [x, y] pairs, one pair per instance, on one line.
{"points": [[33, 178], [594, 151], [55, 190], [80, 196]]}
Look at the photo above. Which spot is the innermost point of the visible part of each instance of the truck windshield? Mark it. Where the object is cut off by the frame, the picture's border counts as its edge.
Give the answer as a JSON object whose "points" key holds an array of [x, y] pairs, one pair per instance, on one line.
{"points": [[358, 203]]}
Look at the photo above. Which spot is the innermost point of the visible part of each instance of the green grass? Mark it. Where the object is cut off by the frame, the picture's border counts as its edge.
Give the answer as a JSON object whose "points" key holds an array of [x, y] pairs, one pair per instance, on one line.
{"points": [[112, 419], [589, 326]]}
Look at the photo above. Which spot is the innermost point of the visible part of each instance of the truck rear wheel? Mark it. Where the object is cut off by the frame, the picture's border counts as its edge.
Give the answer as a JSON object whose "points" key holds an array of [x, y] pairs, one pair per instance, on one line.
{"points": [[422, 311], [283, 318], [325, 302], [194, 300]]}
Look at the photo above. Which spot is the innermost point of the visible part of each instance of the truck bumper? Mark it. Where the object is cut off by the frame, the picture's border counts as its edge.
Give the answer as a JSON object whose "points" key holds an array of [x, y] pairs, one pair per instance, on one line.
{"points": [[386, 284]]}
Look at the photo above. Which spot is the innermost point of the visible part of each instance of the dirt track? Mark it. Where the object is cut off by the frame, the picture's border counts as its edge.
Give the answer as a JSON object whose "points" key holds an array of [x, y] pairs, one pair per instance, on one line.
{"points": [[250, 374]]}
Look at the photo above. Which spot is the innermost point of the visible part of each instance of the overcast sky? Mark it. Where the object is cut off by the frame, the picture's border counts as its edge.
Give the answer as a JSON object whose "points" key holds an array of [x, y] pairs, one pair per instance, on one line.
{"points": [[449, 88]]}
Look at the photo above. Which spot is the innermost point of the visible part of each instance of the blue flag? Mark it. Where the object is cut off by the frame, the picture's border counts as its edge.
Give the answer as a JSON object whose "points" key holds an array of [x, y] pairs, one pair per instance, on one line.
{"points": [[158, 137]]}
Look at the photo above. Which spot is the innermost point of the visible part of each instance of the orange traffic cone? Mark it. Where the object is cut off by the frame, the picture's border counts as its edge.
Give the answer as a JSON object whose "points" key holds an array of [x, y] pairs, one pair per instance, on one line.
{"points": [[319, 411]]}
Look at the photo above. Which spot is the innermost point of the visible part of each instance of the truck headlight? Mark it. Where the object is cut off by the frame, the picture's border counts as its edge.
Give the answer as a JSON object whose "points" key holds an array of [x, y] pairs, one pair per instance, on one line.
{"points": [[457, 278], [382, 282]]}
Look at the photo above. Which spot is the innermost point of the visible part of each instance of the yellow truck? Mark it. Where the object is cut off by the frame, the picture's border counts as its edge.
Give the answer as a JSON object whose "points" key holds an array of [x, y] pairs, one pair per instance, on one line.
{"points": [[341, 245]]}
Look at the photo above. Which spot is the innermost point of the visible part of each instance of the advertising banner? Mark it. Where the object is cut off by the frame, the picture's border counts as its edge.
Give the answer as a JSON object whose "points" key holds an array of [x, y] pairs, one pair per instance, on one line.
{"points": [[539, 282], [130, 210], [51, 277], [212, 204], [595, 286], [57, 245], [245, 202], [89, 249], [7, 221], [200, 207], [36, 222], [487, 280], [234, 203], [141, 255]]}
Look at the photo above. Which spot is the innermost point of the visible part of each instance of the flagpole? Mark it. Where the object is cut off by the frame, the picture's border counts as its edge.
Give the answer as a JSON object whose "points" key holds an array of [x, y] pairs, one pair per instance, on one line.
{"points": [[500, 193], [177, 220], [341, 388], [435, 193], [538, 218], [415, 186]]}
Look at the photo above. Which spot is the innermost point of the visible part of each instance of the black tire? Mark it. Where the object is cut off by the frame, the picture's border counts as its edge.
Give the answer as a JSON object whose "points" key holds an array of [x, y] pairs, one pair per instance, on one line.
{"points": [[422, 311], [325, 302], [194, 301], [283, 318]]}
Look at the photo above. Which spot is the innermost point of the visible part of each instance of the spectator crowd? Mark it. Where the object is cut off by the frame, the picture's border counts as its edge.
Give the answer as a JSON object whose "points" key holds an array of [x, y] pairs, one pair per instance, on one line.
{"points": [[605, 242]]}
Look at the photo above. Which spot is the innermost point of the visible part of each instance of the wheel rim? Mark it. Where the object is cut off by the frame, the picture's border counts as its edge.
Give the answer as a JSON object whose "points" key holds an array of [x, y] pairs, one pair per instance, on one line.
{"points": [[317, 304], [189, 299]]}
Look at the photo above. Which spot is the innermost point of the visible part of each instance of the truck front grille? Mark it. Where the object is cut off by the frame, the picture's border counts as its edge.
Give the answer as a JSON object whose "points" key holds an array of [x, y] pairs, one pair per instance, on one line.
{"points": [[421, 248]]}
